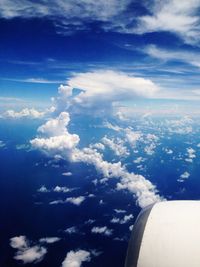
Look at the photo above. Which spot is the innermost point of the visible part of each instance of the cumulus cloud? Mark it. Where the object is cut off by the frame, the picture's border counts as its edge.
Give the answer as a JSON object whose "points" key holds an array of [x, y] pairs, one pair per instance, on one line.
{"points": [[117, 146], [184, 176], [62, 189], [58, 138], [55, 139], [143, 189], [104, 230], [191, 155], [75, 200], [71, 230], [132, 137], [124, 220], [43, 189], [24, 113], [76, 258], [56, 126], [57, 189], [107, 86], [25, 252]]}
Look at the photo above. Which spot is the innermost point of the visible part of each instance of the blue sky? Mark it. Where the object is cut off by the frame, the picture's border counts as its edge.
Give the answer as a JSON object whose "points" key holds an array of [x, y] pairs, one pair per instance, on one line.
{"points": [[44, 45]]}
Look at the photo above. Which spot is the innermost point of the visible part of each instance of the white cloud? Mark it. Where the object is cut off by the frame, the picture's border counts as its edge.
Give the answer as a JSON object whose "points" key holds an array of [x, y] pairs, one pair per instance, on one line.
{"points": [[184, 176], [138, 160], [116, 145], [176, 16], [76, 258], [58, 141], [2, 144], [57, 189], [43, 189], [24, 113], [119, 211], [191, 153], [67, 174], [132, 137], [124, 220], [101, 230], [56, 126], [181, 126], [111, 126], [61, 140], [185, 56], [71, 230], [49, 240], [75, 200], [25, 252], [150, 149], [107, 86], [168, 151], [61, 189], [98, 146], [143, 189]]}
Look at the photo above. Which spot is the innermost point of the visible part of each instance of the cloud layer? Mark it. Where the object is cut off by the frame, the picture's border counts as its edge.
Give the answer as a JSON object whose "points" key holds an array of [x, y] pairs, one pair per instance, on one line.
{"points": [[175, 16]]}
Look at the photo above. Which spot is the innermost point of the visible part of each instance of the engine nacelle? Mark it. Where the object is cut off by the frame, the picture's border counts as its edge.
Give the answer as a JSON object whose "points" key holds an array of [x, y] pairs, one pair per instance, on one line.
{"points": [[166, 234]]}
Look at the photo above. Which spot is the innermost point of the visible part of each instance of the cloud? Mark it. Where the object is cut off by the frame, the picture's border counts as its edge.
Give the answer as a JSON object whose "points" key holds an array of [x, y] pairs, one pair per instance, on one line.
{"points": [[107, 86], [185, 56], [116, 145], [43, 189], [49, 240], [24, 113], [191, 154], [102, 87], [70, 16], [61, 139], [71, 230], [175, 16], [102, 230], [124, 220], [102, 91], [119, 211], [179, 17], [67, 174], [56, 126], [184, 176], [143, 189], [2, 144], [61, 189], [57, 189], [76, 258], [25, 252], [132, 137], [75, 200]]}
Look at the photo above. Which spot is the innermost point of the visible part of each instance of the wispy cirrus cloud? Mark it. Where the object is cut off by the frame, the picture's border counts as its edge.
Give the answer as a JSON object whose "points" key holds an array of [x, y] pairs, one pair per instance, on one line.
{"points": [[186, 56], [175, 16]]}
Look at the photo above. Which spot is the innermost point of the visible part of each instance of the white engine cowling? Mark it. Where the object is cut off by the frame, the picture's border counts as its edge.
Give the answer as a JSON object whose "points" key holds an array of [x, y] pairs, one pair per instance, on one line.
{"points": [[166, 234]]}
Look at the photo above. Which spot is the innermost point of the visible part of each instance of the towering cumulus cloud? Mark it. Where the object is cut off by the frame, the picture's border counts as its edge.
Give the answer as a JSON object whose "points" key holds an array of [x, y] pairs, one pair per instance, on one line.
{"points": [[104, 89]]}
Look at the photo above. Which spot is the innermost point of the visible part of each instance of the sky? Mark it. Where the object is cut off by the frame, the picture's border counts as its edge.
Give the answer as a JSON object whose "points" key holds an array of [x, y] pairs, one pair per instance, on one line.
{"points": [[44, 45], [98, 95]]}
